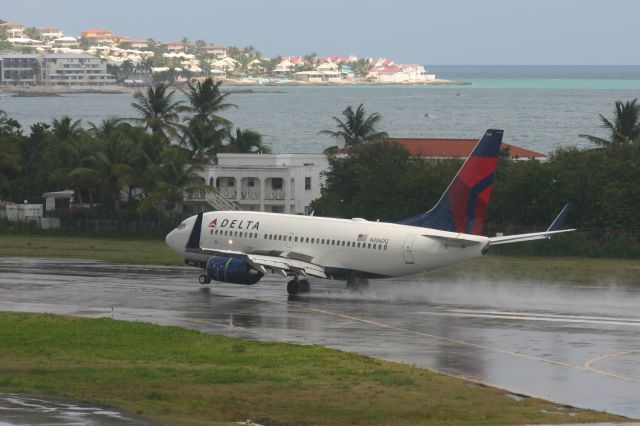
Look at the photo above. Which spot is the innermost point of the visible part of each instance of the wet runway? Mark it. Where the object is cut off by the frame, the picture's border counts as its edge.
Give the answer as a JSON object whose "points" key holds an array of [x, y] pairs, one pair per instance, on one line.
{"points": [[576, 345]]}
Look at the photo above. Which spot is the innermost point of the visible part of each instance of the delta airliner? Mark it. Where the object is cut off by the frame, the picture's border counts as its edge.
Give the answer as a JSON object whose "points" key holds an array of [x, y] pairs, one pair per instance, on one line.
{"points": [[242, 246]]}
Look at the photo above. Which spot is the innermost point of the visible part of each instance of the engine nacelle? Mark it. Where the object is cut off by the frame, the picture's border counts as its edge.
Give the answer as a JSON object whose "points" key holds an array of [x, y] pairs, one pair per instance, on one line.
{"points": [[232, 270]]}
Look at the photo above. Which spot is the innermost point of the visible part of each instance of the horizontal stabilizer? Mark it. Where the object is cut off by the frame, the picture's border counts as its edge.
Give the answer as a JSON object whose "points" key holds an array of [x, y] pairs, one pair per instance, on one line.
{"points": [[494, 241], [554, 229]]}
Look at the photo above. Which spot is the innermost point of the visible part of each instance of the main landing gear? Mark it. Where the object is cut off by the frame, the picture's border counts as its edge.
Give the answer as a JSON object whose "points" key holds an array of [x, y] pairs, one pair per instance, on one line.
{"points": [[357, 284], [297, 286], [204, 279]]}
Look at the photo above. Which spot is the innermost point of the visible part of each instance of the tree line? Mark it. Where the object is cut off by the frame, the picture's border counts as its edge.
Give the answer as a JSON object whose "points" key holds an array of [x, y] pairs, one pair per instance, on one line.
{"points": [[380, 180], [144, 162]]}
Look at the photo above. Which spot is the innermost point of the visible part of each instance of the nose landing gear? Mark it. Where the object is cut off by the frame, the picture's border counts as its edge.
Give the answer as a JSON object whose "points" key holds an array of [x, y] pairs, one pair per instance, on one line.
{"points": [[296, 286], [204, 279]]}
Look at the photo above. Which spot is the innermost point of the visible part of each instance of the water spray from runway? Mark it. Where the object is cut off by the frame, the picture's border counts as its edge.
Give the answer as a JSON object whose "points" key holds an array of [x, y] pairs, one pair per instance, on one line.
{"points": [[603, 299]]}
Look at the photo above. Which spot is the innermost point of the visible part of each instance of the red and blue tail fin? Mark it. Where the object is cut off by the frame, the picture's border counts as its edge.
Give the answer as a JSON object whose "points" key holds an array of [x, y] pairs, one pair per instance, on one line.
{"points": [[463, 206]]}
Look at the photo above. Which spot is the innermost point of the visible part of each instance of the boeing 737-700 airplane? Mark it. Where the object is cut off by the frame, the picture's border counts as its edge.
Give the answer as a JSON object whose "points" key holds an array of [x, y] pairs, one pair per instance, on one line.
{"points": [[241, 246]]}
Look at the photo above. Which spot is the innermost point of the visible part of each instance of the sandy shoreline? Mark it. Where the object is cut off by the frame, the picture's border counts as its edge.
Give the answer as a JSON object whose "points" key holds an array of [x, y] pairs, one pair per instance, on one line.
{"points": [[36, 91]]}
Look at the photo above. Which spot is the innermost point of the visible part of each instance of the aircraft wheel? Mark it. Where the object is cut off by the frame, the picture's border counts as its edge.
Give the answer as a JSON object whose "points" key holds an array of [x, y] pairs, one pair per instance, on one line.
{"points": [[357, 284], [305, 287], [293, 287], [204, 279]]}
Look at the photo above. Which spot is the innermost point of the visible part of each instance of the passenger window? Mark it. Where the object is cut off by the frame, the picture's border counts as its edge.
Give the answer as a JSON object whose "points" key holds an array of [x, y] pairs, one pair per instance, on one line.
{"points": [[295, 240], [307, 240], [279, 237], [270, 236], [385, 246], [369, 245], [333, 242], [312, 241]]}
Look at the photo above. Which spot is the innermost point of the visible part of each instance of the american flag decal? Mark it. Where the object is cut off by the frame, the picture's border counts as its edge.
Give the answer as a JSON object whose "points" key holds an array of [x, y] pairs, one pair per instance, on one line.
{"points": [[362, 238]]}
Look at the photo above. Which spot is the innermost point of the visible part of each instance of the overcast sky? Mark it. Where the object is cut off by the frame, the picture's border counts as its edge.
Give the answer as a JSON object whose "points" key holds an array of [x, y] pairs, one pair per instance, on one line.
{"points": [[520, 32]]}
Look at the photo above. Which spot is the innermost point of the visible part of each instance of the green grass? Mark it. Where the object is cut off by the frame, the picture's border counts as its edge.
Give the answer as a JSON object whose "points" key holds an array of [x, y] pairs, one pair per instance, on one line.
{"points": [[153, 252], [579, 270], [187, 377]]}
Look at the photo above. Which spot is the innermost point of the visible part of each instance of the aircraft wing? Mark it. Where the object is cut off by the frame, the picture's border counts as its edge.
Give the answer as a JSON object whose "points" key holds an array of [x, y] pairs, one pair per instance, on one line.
{"points": [[554, 229]]}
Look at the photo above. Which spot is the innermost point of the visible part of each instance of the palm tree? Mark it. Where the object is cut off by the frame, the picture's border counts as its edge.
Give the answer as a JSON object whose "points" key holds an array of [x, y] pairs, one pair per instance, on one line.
{"points": [[206, 100], [107, 127], [65, 128], [73, 163], [625, 127], [10, 158], [158, 110], [111, 165], [176, 176], [356, 128], [8, 124], [203, 139], [245, 142]]}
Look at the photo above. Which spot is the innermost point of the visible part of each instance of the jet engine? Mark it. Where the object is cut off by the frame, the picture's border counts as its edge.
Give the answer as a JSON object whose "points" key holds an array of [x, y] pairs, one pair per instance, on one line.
{"points": [[232, 270]]}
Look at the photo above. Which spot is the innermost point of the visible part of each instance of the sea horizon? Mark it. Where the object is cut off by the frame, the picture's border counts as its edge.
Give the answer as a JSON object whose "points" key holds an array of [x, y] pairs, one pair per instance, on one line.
{"points": [[540, 108]]}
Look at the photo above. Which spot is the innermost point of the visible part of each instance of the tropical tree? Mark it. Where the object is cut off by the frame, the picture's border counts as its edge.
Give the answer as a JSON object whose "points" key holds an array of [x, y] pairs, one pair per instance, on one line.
{"points": [[8, 124], [66, 128], [176, 176], [113, 158], [246, 142], [72, 162], [207, 100], [356, 128], [127, 68], [10, 159], [158, 111], [203, 139], [107, 127], [625, 127]]}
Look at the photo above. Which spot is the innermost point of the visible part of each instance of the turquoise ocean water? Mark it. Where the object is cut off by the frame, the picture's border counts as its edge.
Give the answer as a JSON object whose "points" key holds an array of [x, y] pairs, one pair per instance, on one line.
{"points": [[540, 108]]}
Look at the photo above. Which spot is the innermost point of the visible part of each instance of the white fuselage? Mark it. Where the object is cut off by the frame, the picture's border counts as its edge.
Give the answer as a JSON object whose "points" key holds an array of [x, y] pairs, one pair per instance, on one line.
{"points": [[373, 248]]}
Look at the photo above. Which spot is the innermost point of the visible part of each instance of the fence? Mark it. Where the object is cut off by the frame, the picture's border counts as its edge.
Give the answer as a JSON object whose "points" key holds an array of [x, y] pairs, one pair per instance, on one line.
{"points": [[97, 223]]}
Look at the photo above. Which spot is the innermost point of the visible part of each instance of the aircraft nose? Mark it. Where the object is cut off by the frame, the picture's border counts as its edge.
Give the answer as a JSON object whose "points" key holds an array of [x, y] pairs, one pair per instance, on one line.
{"points": [[170, 238]]}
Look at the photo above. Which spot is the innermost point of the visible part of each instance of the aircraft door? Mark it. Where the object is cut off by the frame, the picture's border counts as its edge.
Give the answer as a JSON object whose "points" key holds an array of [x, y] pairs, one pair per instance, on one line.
{"points": [[407, 250], [289, 238]]}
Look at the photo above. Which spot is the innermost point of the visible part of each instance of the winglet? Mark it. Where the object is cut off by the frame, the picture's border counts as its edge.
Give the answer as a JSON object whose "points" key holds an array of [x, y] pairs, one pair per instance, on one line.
{"points": [[558, 222], [194, 237]]}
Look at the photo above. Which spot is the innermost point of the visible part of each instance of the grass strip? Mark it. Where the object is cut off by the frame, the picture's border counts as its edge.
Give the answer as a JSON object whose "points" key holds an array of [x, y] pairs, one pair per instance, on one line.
{"points": [[186, 377]]}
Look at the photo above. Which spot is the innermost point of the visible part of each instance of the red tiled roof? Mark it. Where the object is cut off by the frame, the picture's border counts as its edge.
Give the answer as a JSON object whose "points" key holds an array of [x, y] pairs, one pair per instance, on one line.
{"points": [[96, 31], [455, 148]]}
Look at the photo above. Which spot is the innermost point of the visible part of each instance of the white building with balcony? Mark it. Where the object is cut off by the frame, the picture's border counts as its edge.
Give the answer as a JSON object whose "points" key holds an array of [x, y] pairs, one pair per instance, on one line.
{"points": [[76, 70], [279, 183]]}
